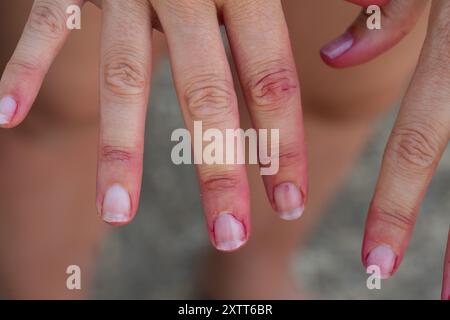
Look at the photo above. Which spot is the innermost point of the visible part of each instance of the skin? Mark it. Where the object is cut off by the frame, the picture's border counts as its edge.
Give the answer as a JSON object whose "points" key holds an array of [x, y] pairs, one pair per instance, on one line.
{"points": [[340, 110], [420, 134], [445, 294], [44, 219], [204, 86], [318, 115]]}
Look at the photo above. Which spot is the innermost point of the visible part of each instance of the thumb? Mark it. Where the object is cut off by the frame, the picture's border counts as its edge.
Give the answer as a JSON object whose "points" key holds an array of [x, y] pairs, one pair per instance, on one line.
{"points": [[360, 44]]}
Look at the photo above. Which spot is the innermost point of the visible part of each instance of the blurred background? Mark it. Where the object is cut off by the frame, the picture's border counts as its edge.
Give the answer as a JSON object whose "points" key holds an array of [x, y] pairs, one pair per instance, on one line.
{"points": [[158, 255]]}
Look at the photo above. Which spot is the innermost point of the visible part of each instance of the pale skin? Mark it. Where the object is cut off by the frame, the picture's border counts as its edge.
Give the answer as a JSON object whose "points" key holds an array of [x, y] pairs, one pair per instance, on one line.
{"points": [[420, 134], [205, 90], [234, 199]]}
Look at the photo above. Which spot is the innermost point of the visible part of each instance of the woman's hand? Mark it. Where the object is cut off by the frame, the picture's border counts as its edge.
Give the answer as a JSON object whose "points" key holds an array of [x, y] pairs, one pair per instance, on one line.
{"points": [[260, 45], [421, 132]]}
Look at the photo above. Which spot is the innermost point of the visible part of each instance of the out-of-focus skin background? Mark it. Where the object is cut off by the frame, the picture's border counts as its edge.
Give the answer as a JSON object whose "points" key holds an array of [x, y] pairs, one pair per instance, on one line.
{"points": [[159, 254]]}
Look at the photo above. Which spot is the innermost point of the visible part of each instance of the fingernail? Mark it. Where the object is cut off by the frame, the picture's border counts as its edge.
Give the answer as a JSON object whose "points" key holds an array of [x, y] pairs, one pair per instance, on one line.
{"points": [[229, 233], [8, 107], [288, 201], [383, 257], [116, 205], [338, 46]]}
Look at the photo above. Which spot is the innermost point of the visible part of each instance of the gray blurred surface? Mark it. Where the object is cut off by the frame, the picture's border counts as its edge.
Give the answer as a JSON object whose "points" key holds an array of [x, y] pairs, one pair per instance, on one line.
{"points": [[156, 256]]}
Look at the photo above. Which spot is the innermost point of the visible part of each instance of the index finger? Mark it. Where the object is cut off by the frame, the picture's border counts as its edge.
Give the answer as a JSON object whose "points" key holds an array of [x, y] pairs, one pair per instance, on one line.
{"points": [[420, 136], [42, 38]]}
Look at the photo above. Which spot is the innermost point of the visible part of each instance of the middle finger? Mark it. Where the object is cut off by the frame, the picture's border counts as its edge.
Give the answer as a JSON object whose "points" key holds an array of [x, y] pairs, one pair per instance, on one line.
{"points": [[205, 90]]}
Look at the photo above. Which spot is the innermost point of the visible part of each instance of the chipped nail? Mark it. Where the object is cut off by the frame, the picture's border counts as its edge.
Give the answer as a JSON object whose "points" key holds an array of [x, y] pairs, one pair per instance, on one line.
{"points": [[229, 233], [288, 201]]}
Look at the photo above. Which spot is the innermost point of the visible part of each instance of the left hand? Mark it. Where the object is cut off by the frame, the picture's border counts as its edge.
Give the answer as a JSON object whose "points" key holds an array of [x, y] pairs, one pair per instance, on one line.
{"points": [[260, 44], [421, 132]]}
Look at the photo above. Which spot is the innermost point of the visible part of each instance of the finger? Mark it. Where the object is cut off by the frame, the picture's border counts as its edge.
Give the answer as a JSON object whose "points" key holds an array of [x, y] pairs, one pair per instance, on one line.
{"points": [[416, 144], [205, 89], [445, 294], [260, 43], [42, 38], [360, 44], [125, 82]]}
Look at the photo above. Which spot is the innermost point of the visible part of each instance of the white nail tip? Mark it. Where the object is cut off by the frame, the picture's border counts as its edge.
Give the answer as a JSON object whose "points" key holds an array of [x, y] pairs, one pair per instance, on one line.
{"points": [[292, 215], [229, 245], [113, 218], [4, 119], [8, 107]]}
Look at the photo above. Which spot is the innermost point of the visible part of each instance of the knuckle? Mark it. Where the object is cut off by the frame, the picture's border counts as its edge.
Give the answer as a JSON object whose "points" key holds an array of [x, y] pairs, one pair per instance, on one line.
{"points": [[111, 153], [123, 72], [290, 155], [24, 68], [400, 217], [47, 19], [188, 11], [414, 147], [208, 97], [275, 84], [219, 181]]}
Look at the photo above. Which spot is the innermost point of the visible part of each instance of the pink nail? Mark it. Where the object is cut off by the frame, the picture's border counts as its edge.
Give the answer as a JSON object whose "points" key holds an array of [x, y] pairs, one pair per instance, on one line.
{"points": [[288, 201], [383, 257], [116, 205], [338, 46], [229, 233], [8, 107]]}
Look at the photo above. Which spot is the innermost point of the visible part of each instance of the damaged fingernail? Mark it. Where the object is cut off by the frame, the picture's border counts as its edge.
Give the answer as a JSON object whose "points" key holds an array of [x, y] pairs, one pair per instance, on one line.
{"points": [[116, 205], [384, 258], [8, 107], [229, 233], [289, 201]]}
